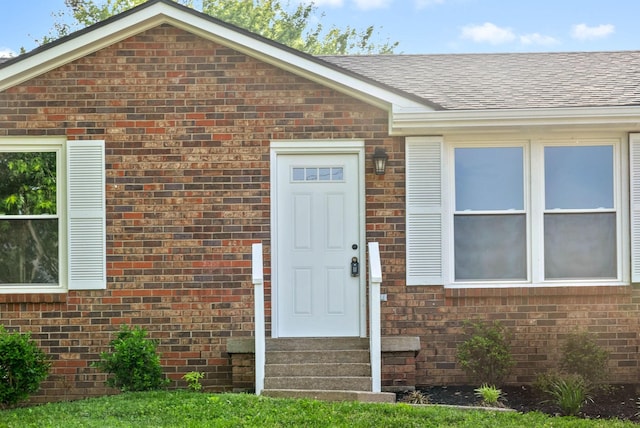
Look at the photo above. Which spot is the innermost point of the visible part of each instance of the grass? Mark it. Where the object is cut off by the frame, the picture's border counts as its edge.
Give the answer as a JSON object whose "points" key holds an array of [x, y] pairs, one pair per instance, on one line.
{"points": [[191, 409]]}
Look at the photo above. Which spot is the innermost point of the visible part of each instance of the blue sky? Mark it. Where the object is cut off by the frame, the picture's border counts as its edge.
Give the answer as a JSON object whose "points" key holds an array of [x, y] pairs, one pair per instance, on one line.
{"points": [[423, 26]]}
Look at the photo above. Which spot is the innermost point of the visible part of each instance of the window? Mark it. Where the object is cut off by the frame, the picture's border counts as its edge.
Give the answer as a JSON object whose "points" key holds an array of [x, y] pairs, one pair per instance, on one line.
{"points": [[29, 219], [51, 215], [489, 220], [560, 221]]}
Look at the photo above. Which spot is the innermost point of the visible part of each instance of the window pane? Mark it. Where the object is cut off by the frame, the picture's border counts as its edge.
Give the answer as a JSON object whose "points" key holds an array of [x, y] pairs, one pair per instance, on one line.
{"points": [[489, 178], [490, 247], [578, 177], [29, 251], [580, 246], [298, 174], [27, 183]]}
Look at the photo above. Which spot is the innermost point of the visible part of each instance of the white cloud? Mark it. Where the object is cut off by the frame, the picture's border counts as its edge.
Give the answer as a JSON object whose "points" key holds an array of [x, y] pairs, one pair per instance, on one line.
{"points": [[6, 53], [421, 4], [538, 39], [488, 33], [584, 32], [372, 4]]}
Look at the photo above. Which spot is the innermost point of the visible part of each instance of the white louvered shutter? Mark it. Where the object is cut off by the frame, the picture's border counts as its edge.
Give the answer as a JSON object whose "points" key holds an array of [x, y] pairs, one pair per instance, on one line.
{"points": [[424, 210], [634, 184], [86, 215]]}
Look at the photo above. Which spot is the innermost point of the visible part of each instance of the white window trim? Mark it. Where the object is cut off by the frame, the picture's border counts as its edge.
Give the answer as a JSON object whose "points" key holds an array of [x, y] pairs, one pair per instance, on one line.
{"points": [[45, 145], [534, 204]]}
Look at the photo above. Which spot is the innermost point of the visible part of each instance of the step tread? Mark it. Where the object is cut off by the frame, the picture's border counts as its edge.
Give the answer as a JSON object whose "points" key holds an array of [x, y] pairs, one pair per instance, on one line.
{"points": [[359, 383], [318, 369], [334, 395]]}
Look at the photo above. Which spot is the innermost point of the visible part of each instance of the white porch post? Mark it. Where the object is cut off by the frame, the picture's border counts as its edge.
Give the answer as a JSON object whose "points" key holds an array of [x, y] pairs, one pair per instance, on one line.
{"points": [[257, 277], [375, 278]]}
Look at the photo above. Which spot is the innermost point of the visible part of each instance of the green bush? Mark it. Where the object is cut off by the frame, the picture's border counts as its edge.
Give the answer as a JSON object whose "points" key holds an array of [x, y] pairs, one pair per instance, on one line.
{"points": [[22, 367], [581, 355], [489, 395], [485, 355], [569, 392], [134, 363]]}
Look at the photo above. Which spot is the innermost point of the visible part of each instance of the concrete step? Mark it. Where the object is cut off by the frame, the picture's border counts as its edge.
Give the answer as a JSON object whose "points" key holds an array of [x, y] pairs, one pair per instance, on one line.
{"points": [[316, 343], [324, 395], [283, 370], [317, 357], [351, 383]]}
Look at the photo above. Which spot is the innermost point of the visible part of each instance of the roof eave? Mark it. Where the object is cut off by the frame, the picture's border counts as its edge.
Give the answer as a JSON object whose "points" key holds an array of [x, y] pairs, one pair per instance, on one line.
{"points": [[471, 121]]}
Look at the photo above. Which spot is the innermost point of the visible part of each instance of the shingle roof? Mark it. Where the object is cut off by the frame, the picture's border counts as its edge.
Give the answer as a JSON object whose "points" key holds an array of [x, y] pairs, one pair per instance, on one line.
{"points": [[509, 80]]}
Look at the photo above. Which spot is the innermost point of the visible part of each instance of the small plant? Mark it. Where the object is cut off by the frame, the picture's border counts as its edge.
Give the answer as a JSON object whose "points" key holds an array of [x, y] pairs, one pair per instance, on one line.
{"points": [[570, 393], [485, 355], [134, 363], [489, 394], [417, 397], [23, 366], [581, 355], [193, 380]]}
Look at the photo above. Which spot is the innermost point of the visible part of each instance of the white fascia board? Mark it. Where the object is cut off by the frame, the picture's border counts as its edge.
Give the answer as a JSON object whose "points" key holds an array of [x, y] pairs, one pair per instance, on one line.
{"points": [[161, 13], [438, 122]]}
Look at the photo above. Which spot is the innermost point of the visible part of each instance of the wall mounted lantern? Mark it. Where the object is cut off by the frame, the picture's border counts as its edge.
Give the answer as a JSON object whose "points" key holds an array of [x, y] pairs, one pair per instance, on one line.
{"points": [[380, 160]]}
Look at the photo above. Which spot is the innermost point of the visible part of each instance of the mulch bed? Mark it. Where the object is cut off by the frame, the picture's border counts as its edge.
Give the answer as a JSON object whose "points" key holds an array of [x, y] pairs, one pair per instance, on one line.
{"points": [[619, 401]]}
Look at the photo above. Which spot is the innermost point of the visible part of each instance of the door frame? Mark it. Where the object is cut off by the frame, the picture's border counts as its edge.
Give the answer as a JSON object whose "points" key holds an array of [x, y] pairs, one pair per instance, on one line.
{"points": [[321, 147]]}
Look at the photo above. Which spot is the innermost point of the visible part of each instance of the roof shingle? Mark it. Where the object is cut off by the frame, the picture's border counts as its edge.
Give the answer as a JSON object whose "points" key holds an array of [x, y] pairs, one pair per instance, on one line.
{"points": [[507, 80]]}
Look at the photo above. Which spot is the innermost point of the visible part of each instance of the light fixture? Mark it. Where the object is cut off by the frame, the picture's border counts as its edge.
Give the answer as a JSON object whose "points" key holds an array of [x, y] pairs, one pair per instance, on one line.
{"points": [[380, 160]]}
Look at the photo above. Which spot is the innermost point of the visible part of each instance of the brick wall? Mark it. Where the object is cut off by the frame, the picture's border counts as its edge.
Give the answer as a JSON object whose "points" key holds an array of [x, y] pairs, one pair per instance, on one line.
{"points": [[537, 319], [187, 126]]}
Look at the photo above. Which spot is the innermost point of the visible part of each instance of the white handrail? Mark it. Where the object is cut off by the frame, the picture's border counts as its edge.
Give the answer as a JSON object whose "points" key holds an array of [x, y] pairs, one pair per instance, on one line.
{"points": [[375, 278], [257, 277]]}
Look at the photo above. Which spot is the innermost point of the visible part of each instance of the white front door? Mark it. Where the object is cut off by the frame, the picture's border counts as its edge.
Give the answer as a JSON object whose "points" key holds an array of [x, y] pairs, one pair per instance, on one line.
{"points": [[318, 236]]}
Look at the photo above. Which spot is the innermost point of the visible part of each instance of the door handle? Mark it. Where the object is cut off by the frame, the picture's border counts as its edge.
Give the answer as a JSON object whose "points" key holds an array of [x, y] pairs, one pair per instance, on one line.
{"points": [[355, 267]]}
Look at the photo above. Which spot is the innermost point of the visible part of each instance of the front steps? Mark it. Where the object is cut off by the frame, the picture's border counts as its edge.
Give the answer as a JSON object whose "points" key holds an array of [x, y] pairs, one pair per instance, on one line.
{"points": [[330, 369]]}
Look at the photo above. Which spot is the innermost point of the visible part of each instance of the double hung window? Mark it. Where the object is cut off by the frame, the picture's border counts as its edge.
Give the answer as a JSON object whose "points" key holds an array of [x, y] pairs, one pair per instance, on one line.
{"points": [[536, 212], [30, 224]]}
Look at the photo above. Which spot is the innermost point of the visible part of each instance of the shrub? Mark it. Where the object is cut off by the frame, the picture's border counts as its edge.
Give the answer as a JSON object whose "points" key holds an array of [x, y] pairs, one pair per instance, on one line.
{"points": [[193, 380], [581, 355], [134, 363], [569, 392], [22, 367], [489, 394], [485, 355]]}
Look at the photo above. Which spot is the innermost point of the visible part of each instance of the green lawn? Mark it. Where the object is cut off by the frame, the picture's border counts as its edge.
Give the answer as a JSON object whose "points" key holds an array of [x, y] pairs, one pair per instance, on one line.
{"points": [[189, 409]]}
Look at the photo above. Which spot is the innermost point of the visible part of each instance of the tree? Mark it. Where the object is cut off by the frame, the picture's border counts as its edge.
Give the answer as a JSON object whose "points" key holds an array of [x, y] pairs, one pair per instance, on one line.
{"points": [[273, 19]]}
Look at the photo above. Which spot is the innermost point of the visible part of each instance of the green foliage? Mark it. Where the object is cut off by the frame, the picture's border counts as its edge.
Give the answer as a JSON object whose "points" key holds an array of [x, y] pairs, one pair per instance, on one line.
{"points": [[22, 367], [569, 392], [297, 25], [581, 355], [133, 362], [485, 354], [278, 21], [193, 380], [489, 394]]}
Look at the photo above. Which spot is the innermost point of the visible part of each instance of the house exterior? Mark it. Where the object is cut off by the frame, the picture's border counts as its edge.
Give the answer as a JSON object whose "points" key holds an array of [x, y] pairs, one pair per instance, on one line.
{"points": [[510, 193]]}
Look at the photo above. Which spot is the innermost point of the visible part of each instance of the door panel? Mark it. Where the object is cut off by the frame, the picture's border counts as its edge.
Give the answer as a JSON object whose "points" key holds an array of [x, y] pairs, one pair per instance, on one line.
{"points": [[317, 225]]}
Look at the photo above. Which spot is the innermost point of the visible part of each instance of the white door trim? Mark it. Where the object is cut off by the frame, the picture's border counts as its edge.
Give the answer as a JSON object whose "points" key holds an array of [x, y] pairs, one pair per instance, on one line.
{"points": [[281, 147]]}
